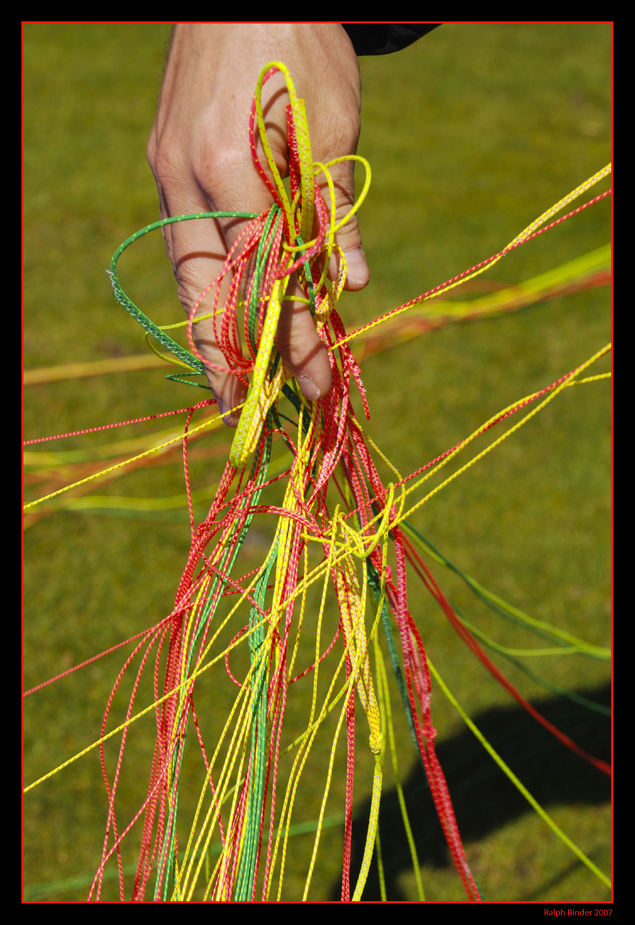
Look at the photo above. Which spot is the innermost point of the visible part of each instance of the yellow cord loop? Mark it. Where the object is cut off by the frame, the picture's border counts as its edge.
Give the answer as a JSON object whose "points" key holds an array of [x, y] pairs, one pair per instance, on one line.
{"points": [[299, 218]]}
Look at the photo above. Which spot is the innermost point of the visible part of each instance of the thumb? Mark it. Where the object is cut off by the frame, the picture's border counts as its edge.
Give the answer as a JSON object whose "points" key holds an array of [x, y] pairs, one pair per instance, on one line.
{"points": [[357, 272], [348, 236]]}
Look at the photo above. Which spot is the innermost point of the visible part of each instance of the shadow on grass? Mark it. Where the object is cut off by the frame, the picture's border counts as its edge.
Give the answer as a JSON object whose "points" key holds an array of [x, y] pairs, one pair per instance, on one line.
{"points": [[484, 799]]}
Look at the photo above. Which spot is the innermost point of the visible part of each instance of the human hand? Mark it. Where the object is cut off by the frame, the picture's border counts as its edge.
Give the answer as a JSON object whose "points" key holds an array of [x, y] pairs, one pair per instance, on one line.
{"points": [[200, 156]]}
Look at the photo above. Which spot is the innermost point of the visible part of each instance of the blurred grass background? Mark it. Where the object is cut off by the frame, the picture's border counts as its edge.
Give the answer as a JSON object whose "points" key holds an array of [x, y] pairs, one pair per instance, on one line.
{"points": [[471, 133]]}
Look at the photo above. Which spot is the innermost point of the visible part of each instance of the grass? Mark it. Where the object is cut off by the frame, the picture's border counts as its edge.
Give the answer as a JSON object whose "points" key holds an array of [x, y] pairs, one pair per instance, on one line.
{"points": [[471, 133]]}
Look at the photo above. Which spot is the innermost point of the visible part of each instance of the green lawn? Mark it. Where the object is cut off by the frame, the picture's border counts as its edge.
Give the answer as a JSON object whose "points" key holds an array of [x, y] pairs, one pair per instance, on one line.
{"points": [[471, 133]]}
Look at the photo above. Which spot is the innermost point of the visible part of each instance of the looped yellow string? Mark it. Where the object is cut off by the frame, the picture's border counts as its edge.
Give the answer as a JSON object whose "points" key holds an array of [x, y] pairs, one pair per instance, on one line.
{"points": [[262, 393], [384, 524], [324, 308], [356, 542], [298, 113], [362, 544]]}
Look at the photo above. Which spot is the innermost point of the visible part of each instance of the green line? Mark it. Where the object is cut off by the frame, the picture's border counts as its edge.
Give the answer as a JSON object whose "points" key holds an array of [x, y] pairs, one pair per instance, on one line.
{"points": [[506, 610], [40, 891], [156, 332], [517, 783]]}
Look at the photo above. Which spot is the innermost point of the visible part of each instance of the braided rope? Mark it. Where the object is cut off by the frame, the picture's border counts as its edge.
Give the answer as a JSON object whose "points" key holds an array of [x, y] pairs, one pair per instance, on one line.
{"points": [[238, 799]]}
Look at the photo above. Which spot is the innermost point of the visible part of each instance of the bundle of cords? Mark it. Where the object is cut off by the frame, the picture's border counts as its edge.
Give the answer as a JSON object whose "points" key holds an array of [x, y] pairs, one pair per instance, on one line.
{"points": [[340, 532]]}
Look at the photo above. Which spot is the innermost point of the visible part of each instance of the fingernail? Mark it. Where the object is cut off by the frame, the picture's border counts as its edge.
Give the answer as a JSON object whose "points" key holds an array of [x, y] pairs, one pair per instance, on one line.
{"points": [[356, 267], [309, 388]]}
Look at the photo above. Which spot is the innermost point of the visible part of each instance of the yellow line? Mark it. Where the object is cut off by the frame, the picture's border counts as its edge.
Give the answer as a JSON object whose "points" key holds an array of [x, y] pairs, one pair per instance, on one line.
{"points": [[95, 368]]}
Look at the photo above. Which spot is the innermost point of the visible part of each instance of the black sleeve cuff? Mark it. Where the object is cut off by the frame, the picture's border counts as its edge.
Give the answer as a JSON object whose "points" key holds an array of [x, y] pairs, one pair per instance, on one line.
{"points": [[383, 38]]}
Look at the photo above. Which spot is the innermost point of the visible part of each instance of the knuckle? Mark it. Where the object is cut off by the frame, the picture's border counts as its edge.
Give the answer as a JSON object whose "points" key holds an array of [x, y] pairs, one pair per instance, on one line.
{"points": [[165, 161]]}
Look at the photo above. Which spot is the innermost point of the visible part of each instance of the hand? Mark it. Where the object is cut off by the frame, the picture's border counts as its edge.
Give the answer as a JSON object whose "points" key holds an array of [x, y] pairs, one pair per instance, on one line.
{"points": [[199, 153]]}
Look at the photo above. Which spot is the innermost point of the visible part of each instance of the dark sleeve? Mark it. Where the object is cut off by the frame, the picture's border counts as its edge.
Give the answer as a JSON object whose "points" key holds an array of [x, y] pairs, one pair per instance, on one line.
{"points": [[383, 38]]}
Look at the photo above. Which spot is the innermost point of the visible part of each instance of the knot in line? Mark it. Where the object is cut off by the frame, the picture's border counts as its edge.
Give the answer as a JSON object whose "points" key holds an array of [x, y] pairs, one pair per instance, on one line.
{"points": [[376, 743]]}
